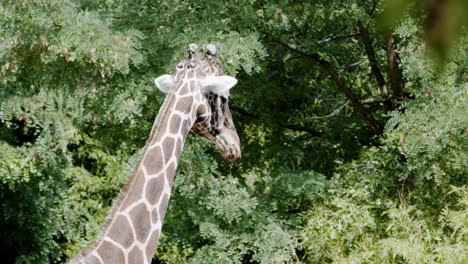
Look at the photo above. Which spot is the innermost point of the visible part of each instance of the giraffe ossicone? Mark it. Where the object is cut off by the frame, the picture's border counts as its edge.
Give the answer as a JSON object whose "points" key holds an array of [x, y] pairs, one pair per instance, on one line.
{"points": [[197, 100]]}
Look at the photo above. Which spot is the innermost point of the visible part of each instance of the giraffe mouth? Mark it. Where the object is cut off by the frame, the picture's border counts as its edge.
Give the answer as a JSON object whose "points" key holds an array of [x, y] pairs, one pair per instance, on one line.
{"points": [[228, 145]]}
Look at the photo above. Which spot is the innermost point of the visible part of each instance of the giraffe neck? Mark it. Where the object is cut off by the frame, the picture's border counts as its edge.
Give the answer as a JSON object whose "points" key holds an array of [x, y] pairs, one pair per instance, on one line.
{"points": [[132, 232]]}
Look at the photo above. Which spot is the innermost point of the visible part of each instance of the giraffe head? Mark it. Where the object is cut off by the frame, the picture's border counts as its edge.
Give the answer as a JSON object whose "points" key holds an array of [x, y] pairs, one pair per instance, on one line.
{"points": [[212, 118]]}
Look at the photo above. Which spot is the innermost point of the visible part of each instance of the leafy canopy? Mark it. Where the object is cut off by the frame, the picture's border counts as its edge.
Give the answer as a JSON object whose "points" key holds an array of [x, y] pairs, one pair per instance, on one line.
{"points": [[353, 138]]}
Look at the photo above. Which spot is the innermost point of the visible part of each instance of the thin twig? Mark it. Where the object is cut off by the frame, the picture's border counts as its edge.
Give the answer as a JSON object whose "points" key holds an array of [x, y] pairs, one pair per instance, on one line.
{"points": [[287, 236], [303, 129], [338, 36], [335, 112]]}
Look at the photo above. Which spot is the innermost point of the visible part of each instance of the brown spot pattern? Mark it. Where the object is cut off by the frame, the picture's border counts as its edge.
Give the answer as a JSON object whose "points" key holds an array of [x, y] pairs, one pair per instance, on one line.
{"points": [[135, 256], [170, 172], [110, 253], [153, 161], [152, 244], [184, 128], [178, 148], [141, 221], [163, 207], [154, 216], [184, 90], [161, 135], [120, 232], [175, 124], [184, 104], [154, 189], [168, 148], [135, 189]]}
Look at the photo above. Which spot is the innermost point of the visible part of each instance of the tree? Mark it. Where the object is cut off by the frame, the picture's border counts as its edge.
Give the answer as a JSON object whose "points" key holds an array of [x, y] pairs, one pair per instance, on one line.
{"points": [[353, 143]]}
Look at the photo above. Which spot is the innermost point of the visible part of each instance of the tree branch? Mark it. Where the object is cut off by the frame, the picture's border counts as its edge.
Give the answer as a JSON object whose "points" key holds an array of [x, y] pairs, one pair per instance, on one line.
{"points": [[288, 126], [374, 65], [335, 112], [396, 76], [328, 67], [374, 5]]}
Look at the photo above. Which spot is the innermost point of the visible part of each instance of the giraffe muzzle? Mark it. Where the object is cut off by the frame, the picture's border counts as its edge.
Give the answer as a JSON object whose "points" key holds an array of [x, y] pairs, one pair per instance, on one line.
{"points": [[228, 145]]}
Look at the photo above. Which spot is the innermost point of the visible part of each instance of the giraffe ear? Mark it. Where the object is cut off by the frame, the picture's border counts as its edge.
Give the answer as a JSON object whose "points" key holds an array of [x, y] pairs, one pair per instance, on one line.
{"points": [[164, 83], [217, 84]]}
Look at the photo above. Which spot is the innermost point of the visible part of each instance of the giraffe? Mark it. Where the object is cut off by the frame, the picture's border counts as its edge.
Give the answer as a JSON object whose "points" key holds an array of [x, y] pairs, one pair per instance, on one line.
{"points": [[197, 100]]}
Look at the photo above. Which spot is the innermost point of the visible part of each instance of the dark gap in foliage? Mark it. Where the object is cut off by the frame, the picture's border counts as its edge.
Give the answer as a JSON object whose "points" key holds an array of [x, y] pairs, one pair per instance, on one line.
{"points": [[19, 132], [248, 258], [16, 229]]}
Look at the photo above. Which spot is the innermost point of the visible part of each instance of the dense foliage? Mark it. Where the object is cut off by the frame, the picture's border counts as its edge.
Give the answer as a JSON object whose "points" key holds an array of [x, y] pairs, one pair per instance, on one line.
{"points": [[353, 138]]}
